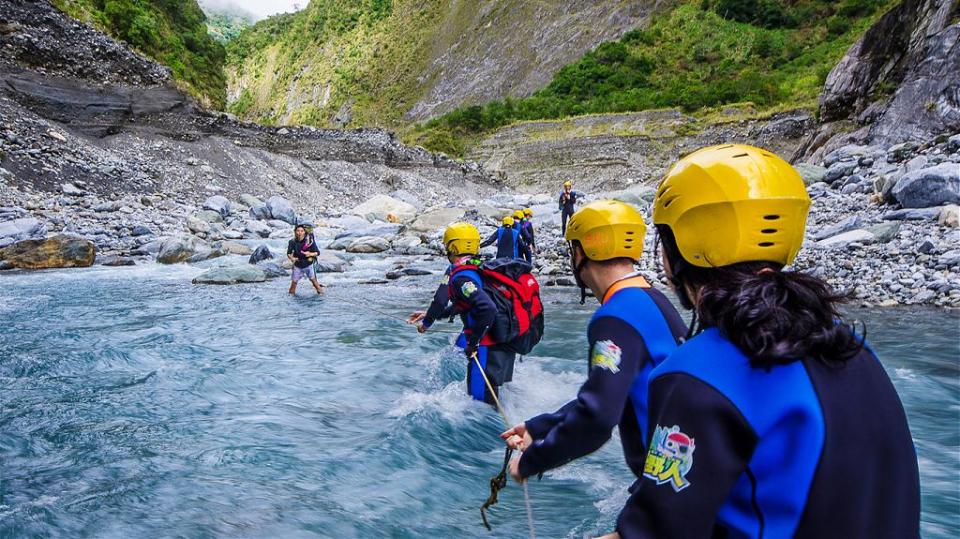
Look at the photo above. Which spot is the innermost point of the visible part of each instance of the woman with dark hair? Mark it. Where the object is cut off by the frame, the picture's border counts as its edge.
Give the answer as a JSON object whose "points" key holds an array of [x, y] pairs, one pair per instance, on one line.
{"points": [[774, 419]]}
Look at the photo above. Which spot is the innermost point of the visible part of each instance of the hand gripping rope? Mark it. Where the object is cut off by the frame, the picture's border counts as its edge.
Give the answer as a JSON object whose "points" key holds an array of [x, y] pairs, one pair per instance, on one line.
{"points": [[500, 480]]}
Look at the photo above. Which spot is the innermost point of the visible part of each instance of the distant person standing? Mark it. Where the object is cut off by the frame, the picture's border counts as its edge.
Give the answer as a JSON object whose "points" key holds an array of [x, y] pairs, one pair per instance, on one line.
{"points": [[302, 250], [568, 204]]}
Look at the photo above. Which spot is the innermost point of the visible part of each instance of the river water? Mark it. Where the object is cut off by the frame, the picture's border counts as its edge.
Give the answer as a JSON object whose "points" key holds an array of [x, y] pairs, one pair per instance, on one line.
{"points": [[135, 404]]}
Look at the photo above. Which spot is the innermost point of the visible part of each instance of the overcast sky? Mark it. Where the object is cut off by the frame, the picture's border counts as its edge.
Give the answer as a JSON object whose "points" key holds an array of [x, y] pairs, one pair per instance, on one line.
{"points": [[259, 8]]}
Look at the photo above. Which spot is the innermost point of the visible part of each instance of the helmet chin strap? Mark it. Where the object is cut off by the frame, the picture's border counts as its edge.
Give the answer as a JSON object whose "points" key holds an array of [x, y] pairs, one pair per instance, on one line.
{"points": [[576, 276]]}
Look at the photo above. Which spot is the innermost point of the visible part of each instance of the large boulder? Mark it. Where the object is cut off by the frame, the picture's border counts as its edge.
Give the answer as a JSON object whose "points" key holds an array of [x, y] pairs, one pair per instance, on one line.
{"points": [[281, 208], [54, 252], [259, 212], [368, 244], [931, 186], [638, 195], [26, 228], [328, 262], [811, 173], [260, 254], [241, 273], [258, 229], [233, 247], [250, 200], [846, 238], [209, 216], [385, 208], [219, 204], [437, 219], [197, 226], [176, 249]]}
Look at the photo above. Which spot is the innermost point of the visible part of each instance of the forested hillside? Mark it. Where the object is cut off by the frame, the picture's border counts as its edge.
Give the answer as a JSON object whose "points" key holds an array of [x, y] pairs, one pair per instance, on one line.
{"points": [[702, 53]]}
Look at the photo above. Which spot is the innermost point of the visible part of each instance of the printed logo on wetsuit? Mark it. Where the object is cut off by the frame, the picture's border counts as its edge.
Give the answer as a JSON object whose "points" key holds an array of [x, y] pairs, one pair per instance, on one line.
{"points": [[468, 289], [670, 457], [606, 355]]}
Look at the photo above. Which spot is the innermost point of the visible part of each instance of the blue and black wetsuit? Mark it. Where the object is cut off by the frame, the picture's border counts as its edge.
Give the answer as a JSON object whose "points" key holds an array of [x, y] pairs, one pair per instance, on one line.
{"points": [[805, 450], [526, 232], [635, 329], [510, 242], [463, 295]]}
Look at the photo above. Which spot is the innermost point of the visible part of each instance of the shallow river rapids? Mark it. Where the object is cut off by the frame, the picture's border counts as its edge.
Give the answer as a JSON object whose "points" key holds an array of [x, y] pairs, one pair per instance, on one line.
{"points": [[135, 404]]}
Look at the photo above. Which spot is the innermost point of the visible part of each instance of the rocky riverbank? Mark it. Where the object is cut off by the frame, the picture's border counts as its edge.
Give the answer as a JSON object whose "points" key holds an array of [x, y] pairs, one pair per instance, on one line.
{"points": [[883, 226]]}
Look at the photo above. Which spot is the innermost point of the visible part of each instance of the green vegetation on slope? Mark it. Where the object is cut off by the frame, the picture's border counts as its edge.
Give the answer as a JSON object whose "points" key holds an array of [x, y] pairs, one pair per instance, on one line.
{"points": [[172, 32], [225, 27], [703, 53], [366, 53]]}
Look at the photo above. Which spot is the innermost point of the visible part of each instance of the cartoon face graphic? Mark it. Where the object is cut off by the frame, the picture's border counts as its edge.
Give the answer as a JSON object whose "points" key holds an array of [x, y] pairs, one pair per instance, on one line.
{"points": [[678, 445]]}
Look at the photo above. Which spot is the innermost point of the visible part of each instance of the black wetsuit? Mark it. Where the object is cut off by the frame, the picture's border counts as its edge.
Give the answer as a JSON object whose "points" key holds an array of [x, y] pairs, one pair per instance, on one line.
{"points": [[804, 450], [463, 295], [526, 232], [567, 205], [635, 329], [296, 249]]}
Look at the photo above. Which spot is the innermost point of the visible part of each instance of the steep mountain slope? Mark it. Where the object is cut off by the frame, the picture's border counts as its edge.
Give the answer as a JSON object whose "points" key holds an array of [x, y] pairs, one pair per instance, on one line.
{"points": [[172, 32], [385, 62], [698, 54]]}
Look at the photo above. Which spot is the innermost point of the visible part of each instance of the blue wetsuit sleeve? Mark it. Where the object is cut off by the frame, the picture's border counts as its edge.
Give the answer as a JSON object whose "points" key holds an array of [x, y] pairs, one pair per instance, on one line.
{"points": [[617, 353], [489, 241], [439, 306], [482, 311], [700, 445]]}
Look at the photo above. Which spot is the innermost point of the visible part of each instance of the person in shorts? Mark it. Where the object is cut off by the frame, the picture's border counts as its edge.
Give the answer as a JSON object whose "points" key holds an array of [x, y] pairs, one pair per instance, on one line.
{"points": [[303, 251]]}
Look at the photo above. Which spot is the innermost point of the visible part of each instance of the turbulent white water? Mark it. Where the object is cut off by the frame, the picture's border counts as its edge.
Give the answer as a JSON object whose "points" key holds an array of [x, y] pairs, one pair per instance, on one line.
{"points": [[136, 404]]}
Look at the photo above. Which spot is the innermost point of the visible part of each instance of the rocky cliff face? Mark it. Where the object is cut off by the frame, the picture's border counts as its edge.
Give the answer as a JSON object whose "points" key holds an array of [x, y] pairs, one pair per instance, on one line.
{"points": [[488, 50], [78, 108], [327, 67], [900, 81]]}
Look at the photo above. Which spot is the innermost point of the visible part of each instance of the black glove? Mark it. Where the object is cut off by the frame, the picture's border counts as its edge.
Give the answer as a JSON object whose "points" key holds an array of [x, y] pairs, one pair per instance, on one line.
{"points": [[470, 350]]}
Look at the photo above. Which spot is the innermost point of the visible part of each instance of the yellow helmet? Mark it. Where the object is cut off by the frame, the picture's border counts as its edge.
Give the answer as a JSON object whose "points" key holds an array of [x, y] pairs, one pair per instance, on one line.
{"points": [[461, 239], [508, 221], [568, 183], [518, 214], [733, 203], [528, 212], [608, 229]]}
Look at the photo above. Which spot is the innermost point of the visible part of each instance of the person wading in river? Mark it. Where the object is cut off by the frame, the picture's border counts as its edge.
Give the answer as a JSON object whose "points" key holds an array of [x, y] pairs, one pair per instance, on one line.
{"points": [[776, 419], [302, 251], [461, 293], [633, 330]]}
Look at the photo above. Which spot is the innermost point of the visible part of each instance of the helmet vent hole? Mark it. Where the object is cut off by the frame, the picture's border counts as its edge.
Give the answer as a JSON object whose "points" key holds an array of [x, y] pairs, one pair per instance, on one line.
{"points": [[741, 155], [769, 231], [771, 217], [669, 202], [766, 244]]}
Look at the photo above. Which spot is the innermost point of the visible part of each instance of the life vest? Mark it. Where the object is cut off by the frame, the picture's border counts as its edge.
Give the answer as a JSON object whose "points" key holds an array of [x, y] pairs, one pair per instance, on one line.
{"points": [[627, 300], [516, 294], [512, 250]]}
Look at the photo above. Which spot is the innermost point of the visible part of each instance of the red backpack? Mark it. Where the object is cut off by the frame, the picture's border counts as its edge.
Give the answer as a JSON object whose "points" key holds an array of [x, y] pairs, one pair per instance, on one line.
{"points": [[516, 294]]}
